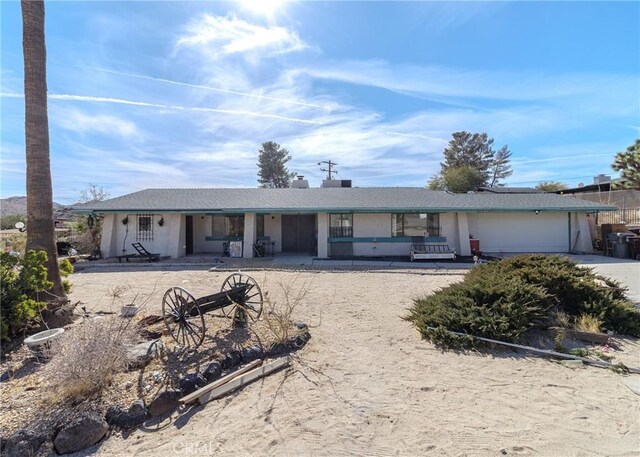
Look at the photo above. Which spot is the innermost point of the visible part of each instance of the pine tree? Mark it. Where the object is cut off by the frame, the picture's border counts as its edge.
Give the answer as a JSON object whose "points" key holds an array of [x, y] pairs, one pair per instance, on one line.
{"points": [[272, 170]]}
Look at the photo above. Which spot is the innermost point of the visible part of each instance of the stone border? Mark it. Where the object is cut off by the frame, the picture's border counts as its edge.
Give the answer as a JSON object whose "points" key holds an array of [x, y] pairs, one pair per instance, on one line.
{"points": [[168, 401], [87, 429]]}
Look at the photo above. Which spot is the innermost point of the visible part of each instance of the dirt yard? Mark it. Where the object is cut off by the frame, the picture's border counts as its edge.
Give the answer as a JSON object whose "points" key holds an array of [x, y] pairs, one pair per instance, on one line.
{"points": [[366, 384]]}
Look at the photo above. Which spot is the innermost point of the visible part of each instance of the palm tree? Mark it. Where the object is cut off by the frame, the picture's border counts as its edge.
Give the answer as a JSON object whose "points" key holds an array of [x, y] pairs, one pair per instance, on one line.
{"points": [[41, 231]]}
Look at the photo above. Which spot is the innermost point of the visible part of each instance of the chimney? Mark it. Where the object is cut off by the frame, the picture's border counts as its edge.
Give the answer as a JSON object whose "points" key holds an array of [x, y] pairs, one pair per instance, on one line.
{"points": [[601, 179], [300, 183]]}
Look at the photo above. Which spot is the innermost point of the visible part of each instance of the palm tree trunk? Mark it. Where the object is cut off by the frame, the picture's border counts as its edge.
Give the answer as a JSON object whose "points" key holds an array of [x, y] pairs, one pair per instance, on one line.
{"points": [[40, 229]]}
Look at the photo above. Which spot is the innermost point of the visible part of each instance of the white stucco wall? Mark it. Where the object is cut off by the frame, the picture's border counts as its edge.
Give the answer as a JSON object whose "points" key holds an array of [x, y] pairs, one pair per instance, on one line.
{"points": [[322, 221], [497, 232], [449, 228], [581, 238], [273, 229], [164, 242], [375, 225], [202, 229], [109, 233], [522, 232]]}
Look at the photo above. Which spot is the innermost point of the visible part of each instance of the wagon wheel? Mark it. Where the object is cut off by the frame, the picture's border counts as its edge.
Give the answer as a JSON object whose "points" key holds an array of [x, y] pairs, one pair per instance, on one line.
{"points": [[251, 301], [183, 317]]}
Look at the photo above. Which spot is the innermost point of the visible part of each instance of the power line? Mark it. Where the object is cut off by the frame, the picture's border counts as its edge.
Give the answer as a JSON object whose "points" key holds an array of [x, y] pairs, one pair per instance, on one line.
{"points": [[330, 169]]}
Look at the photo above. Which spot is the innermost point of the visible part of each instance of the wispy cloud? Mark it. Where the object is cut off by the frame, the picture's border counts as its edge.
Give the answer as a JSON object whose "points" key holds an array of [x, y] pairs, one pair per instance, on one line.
{"points": [[199, 114], [82, 122], [429, 81], [221, 36], [119, 101], [217, 89]]}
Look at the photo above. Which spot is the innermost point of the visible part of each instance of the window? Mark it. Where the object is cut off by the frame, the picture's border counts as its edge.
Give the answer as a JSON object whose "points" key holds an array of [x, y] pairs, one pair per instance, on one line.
{"points": [[145, 227], [340, 225], [227, 226], [415, 224]]}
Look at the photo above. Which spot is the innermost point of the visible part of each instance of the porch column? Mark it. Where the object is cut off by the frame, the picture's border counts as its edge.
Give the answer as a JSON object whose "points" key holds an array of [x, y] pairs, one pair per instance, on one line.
{"points": [[250, 234], [323, 235], [176, 227], [463, 234], [584, 239], [109, 238]]}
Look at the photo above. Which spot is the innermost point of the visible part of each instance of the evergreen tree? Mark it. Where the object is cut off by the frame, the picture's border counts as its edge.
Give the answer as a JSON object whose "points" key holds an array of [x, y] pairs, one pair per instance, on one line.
{"points": [[469, 162], [272, 170]]}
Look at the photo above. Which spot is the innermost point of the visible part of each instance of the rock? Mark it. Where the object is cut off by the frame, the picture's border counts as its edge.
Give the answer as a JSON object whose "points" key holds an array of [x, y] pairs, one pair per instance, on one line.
{"points": [[192, 382], [84, 431], [231, 360], [141, 354], [24, 442], [278, 348], [301, 340], [157, 377], [301, 325], [125, 419], [165, 402], [4, 377], [113, 414], [572, 363], [212, 372], [137, 413], [251, 353]]}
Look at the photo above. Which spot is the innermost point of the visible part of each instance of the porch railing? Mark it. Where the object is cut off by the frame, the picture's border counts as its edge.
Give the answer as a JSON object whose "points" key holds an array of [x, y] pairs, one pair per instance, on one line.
{"points": [[341, 232]]}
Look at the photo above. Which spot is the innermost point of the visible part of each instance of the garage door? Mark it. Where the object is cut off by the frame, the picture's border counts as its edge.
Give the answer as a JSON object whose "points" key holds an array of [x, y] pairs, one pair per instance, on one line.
{"points": [[523, 232]]}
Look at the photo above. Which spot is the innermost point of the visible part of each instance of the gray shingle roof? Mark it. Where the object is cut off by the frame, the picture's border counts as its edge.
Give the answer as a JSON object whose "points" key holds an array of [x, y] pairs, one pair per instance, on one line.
{"points": [[509, 190], [364, 199]]}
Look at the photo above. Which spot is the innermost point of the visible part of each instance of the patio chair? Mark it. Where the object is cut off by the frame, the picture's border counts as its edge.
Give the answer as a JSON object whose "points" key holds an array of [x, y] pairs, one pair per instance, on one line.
{"points": [[144, 254], [258, 249]]}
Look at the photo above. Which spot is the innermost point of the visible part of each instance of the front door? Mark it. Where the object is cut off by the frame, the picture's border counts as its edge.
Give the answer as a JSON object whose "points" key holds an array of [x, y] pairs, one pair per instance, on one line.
{"points": [[188, 236], [299, 233]]}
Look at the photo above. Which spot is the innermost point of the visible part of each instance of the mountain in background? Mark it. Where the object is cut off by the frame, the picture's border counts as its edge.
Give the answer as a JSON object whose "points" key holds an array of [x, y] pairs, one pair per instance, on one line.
{"points": [[14, 206]]}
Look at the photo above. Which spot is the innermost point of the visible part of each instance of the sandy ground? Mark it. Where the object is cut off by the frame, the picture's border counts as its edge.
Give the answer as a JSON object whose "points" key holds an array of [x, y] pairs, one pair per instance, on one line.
{"points": [[366, 384]]}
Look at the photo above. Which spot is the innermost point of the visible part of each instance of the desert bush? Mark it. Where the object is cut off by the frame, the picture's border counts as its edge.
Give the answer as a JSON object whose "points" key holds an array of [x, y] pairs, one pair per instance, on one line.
{"points": [[87, 356], [66, 268], [22, 279], [588, 323], [504, 299], [16, 242], [278, 315]]}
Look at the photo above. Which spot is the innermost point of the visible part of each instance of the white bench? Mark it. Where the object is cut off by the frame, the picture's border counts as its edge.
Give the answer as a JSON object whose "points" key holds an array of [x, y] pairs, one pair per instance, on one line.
{"points": [[432, 252]]}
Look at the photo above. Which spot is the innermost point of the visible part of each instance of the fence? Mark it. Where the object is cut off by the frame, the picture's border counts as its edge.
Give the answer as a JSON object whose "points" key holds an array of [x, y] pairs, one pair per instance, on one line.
{"points": [[629, 216]]}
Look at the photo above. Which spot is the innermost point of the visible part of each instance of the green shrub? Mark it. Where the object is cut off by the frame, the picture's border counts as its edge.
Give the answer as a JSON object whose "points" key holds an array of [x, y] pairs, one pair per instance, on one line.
{"points": [[504, 299], [21, 280], [66, 268]]}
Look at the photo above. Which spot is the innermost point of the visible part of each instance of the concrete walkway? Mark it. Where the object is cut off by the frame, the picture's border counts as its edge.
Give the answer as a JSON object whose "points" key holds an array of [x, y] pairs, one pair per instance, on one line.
{"points": [[625, 271]]}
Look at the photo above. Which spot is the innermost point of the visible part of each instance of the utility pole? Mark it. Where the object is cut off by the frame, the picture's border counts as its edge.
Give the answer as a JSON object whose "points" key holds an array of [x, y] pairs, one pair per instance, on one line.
{"points": [[329, 169]]}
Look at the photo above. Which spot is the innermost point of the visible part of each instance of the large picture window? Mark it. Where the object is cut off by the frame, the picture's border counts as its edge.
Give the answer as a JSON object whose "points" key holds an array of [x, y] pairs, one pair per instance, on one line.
{"points": [[340, 225], [415, 224], [227, 226], [145, 227]]}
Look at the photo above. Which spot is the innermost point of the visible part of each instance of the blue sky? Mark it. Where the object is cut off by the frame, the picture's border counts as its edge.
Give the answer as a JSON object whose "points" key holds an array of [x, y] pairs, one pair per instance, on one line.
{"points": [[182, 94]]}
